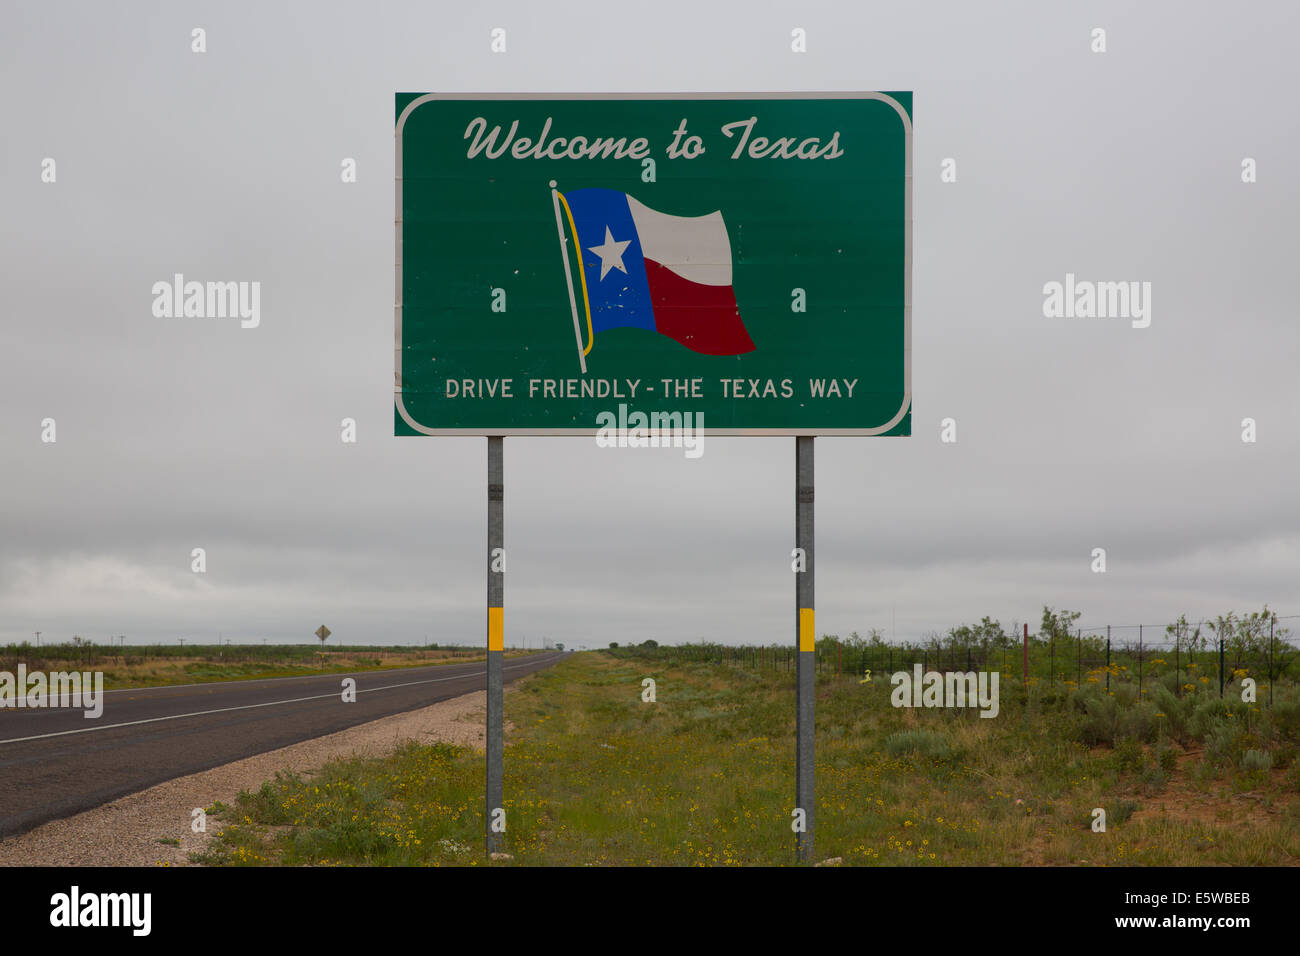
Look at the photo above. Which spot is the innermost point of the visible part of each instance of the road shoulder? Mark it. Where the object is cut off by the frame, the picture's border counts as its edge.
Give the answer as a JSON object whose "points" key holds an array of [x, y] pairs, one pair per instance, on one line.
{"points": [[129, 831]]}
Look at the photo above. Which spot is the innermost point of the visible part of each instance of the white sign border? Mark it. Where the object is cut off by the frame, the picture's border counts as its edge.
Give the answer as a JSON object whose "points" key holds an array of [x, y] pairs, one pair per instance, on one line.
{"points": [[722, 432]]}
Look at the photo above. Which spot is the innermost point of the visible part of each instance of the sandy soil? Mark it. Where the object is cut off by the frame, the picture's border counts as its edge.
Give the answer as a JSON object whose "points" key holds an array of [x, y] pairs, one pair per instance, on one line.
{"points": [[127, 831]]}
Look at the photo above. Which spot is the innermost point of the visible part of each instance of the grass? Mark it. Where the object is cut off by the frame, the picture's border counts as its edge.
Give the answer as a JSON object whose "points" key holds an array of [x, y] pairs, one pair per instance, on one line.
{"points": [[704, 776], [136, 669]]}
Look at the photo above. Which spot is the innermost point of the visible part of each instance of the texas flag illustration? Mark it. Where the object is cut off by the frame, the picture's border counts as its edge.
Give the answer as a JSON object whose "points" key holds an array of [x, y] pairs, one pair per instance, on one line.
{"points": [[646, 269]]}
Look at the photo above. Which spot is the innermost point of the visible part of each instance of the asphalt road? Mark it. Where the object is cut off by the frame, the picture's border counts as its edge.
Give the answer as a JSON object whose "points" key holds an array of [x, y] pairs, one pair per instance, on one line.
{"points": [[55, 762]]}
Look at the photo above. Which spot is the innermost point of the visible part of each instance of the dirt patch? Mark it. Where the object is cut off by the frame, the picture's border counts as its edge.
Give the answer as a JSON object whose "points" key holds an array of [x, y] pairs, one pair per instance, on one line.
{"points": [[1181, 802], [129, 831], [1184, 804]]}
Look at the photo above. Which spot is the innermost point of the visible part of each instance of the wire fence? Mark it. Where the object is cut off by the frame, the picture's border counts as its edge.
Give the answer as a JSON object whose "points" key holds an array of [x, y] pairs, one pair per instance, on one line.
{"points": [[1184, 663]]}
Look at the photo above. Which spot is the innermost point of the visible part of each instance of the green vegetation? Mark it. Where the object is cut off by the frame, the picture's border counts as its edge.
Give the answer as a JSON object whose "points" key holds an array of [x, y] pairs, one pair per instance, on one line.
{"points": [[1060, 652], [704, 776], [156, 665]]}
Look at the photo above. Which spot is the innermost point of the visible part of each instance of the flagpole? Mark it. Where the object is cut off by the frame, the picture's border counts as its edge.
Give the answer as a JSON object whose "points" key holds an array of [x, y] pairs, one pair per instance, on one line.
{"points": [[568, 276]]}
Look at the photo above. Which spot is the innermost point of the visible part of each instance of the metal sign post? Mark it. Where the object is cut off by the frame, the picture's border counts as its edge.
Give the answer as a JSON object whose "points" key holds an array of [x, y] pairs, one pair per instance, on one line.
{"points": [[495, 640], [322, 632], [805, 636]]}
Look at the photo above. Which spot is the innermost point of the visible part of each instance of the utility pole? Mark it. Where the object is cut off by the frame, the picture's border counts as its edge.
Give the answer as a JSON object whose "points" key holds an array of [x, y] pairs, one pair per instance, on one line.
{"points": [[38, 638]]}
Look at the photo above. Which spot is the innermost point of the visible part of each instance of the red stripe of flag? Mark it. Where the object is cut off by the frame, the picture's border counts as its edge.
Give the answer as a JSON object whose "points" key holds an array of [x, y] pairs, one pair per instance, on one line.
{"points": [[704, 318]]}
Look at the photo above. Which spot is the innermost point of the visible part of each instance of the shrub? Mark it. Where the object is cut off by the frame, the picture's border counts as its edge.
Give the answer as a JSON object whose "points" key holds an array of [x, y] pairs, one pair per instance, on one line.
{"points": [[925, 743], [1170, 681], [1221, 745], [1122, 812], [1098, 726], [1177, 712], [266, 804], [1286, 716], [1167, 759], [1260, 760], [1284, 756], [1207, 715], [1154, 778], [1137, 721], [1128, 753]]}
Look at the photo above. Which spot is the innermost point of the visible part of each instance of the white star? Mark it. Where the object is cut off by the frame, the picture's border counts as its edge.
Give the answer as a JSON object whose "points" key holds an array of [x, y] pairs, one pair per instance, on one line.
{"points": [[611, 254]]}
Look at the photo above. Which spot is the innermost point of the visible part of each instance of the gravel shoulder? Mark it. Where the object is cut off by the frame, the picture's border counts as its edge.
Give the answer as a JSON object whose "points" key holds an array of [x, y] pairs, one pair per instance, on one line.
{"points": [[128, 831]]}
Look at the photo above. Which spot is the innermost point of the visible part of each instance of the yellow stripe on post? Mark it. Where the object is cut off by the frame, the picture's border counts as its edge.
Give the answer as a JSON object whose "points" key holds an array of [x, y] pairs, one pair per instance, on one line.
{"points": [[496, 629], [806, 632]]}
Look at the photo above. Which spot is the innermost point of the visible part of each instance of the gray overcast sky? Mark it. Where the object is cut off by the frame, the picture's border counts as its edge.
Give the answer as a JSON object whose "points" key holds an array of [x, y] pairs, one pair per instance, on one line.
{"points": [[1072, 433]]}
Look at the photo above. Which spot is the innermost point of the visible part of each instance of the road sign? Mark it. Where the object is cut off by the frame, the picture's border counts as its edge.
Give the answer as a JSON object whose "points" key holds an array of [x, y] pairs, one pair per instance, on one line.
{"points": [[744, 257], [323, 632]]}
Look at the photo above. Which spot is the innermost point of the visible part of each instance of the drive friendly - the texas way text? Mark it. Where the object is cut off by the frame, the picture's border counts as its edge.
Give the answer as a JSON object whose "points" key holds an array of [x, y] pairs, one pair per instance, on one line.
{"points": [[629, 388]]}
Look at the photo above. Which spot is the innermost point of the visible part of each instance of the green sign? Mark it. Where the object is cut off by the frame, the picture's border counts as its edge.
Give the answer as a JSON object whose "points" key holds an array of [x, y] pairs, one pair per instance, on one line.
{"points": [[742, 257]]}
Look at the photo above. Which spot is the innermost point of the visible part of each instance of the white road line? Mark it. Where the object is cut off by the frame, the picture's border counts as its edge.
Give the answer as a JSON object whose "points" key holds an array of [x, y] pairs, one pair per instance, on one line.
{"points": [[222, 710]]}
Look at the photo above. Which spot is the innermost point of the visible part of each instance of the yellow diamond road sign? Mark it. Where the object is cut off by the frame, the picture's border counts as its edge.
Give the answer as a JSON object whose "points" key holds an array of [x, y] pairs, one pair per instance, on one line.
{"points": [[322, 632]]}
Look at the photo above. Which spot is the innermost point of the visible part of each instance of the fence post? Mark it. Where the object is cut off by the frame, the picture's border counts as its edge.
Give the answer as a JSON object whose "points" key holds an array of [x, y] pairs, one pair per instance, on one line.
{"points": [[1178, 674], [1139, 662], [1051, 660], [1078, 657], [1107, 658], [1220, 668], [1026, 679], [1270, 659]]}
